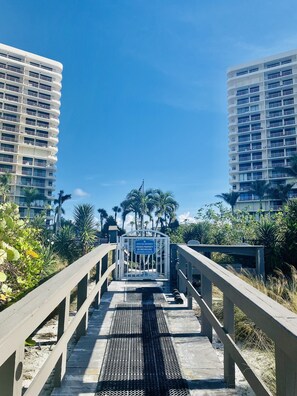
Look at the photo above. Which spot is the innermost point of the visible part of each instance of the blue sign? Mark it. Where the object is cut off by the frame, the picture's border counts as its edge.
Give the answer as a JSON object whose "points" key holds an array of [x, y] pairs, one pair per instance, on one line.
{"points": [[144, 246]]}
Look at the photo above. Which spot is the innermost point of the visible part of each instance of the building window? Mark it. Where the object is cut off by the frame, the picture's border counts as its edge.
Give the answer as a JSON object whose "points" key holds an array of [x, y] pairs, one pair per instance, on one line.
{"points": [[254, 89], [243, 119], [288, 101], [276, 103], [287, 72], [242, 92], [254, 108], [255, 98], [243, 110], [242, 101], [273, 85], [288, 91], [273, 75], [256, 136]]}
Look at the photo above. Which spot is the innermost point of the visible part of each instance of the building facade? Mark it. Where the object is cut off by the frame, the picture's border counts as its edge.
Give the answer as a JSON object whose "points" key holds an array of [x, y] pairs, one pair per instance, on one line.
{"points": [[262, 107], [30, 91]]}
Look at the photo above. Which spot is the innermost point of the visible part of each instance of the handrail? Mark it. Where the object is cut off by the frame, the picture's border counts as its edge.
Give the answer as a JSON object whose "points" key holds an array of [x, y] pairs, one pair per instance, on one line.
{"points": [[22, 318], [279, 323]]}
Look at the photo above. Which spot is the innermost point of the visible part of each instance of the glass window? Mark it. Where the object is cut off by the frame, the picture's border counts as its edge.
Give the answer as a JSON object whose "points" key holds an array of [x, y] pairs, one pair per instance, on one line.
{"points": [[242, 101], [288, 91], [255, 98], [243, 119], [242, 91], [273, 85], [255, 117], [254, 108], [243, 110], [276, 103], [273, 75], [254, 89]]}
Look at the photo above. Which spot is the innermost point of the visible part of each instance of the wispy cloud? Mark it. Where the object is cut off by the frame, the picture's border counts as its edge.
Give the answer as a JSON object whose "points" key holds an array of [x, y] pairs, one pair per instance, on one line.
{"points": [[186, 218], [78, 192], [113, 183]]}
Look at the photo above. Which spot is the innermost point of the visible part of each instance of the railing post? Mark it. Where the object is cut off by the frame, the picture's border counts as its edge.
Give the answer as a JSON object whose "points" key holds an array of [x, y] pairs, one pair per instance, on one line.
{"points": [[173, 262], [104, 267], [82, 292], [190, 280], [286, 374], [11, 374], [63, 316], [97, 279], [229, 365], [182, 265], [206, 294]]}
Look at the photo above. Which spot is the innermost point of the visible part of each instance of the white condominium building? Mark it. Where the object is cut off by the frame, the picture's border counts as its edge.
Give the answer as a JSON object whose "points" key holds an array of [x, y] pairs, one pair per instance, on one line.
{"points": [[262, 106], [30, 88]]}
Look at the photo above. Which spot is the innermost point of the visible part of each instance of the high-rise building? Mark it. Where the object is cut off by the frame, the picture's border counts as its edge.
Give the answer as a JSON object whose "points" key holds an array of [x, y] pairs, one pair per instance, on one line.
{"points": [[30, 87], [262, 106]]}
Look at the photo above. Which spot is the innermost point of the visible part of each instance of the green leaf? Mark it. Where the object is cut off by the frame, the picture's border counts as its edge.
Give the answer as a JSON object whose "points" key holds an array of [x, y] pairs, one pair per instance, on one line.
{"points": [[12, 254], [3, 277], [30, 342]]}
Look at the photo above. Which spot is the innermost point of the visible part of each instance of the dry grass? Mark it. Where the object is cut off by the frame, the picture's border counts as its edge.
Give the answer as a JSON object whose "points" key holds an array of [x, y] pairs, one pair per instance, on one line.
{"points": [[253, 340]]}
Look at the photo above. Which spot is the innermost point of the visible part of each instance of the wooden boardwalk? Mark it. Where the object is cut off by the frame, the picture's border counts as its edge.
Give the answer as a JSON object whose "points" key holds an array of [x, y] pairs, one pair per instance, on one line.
{"points": [[197, 360]]}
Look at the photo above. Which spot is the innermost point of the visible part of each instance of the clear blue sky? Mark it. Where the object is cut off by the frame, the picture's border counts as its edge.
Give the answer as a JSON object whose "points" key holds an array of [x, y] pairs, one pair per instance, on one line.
{"points": [[144, 87]]}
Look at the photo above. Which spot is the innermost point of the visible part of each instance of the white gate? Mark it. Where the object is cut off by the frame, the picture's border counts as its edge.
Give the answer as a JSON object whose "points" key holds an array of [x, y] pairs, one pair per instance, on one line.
{"points": [[143, 254]]}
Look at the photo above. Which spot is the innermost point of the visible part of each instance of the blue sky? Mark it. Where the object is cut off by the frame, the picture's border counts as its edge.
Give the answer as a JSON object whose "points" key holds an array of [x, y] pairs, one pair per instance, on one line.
{"points": [[144, 87]]}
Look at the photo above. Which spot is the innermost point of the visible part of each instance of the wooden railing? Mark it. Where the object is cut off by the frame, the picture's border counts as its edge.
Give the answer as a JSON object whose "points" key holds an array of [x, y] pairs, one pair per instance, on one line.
{"points": [[279, 324], [20, 320]]}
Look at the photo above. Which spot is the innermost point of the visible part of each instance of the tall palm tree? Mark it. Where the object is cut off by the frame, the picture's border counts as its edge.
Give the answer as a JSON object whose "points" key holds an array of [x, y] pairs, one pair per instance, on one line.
{"points": [[230, 198], [165, 206], [5, 180], [85, 227], [116, 210], [290, 170], [260, 189], [103, 216], [280, 191], [31, 195], [59, 202], [126, 209], [140, 203]]}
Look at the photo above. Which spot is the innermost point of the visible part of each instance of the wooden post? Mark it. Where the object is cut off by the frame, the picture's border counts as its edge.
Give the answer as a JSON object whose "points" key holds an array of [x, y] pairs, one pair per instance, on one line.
{"points": [[206, 293], [11, 374], [63, 317], [229, 365], [286, 374], [82, 291], [173, 262], [104, 267], [190, 280], [97, 279]]}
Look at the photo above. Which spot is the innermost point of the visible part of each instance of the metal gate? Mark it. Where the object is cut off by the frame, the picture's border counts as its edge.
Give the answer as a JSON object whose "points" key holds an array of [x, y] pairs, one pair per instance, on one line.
{"points": [[143, 254]]}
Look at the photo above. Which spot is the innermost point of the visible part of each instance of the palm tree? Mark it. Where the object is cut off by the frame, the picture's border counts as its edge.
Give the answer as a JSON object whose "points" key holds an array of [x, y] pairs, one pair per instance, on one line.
{"points": [[291, 170], [103, 216], [165, 206], [61, 199], [126, 209], [31, 195], [85, 227], [280, 191], [132, 224], [116, 210], [230, 198], [260, 189], [140, 203], [5, 180]]}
